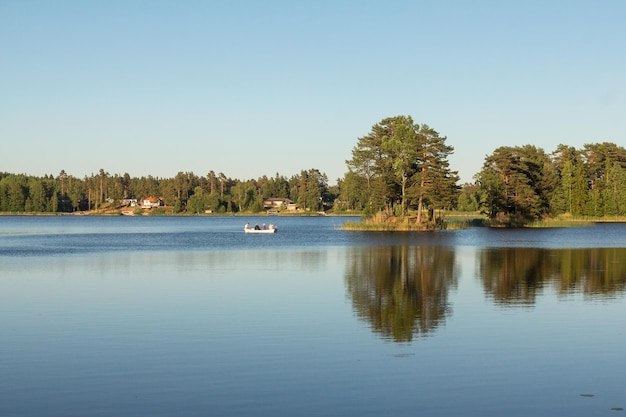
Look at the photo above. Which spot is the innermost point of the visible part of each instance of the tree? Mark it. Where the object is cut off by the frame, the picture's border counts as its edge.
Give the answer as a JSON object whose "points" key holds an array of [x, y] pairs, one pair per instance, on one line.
{"points": [[212, 180], [15, 193], [184, 182], [435, 182], [102, 176], [277, 186], [197, 203], [167, 191], [604, 162], [580, 191], [368, 160], [302, 191], [402, 148], [125, 181], [518, 182], [244, 194], [62, 179], [469, 198], [36, 195], [53, 204], [213, 202], [222, 179], [404, 165], [354, 193]]}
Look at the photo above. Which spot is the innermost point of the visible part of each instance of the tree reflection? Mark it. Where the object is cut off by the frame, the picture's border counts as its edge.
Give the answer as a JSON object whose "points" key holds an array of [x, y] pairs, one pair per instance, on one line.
{"points": [[514, 276], [401, 291]]}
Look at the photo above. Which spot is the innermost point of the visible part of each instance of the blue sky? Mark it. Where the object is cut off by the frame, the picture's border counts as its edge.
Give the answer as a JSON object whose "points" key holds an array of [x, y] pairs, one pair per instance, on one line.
{"points": [[252, 88]]}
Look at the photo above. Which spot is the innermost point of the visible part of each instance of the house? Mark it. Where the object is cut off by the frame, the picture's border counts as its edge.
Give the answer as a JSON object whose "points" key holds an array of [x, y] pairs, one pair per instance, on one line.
{"points": [[277, 203], [150, 202], [132, 202]]}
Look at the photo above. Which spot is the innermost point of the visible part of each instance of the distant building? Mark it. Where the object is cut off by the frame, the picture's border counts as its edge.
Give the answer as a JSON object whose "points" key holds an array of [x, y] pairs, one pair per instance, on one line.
{"points": [[132, 202], [150, 202], [278, 203]]}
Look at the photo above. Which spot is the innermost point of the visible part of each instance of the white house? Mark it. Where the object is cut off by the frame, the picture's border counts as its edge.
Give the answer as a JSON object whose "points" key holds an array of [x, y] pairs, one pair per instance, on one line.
{"points": [[277, 203], [150, 202]]}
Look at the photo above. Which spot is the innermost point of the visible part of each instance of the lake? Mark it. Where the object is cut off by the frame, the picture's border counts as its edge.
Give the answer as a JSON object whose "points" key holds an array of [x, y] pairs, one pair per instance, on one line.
{"points": [[189, 316]]}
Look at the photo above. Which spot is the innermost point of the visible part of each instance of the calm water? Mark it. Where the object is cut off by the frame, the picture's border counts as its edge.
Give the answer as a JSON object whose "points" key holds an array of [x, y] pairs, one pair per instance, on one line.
{"points": [[158, 316]]}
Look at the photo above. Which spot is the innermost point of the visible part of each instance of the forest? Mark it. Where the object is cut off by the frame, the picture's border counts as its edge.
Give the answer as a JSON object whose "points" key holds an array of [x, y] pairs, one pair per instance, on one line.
{"points": [[185, 193], [524, 183], [400, 169]]}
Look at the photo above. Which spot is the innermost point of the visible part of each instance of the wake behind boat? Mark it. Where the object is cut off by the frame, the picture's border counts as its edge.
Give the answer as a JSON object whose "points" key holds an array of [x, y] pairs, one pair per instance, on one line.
{"points": [[260, 229]]}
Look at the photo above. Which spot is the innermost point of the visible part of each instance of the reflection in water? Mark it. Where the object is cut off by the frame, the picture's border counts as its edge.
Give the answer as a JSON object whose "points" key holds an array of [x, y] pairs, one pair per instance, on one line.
{"points": [[401, 291], [515, 276]]}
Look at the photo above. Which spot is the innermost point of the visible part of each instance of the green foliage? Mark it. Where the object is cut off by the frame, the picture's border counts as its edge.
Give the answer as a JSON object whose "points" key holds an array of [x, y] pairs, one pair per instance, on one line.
{"points": [[523, 184], [469, 198], [198, 202], [21, 193], [213, 202], [518, 182], [354, 195], [178, 206], [401, 164], [185, 193], [399, 167]]}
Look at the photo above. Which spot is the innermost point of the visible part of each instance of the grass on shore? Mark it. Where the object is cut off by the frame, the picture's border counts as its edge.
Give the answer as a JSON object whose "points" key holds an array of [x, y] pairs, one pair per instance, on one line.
{"points": [[566, 220], [464, 220], [449, 221]]}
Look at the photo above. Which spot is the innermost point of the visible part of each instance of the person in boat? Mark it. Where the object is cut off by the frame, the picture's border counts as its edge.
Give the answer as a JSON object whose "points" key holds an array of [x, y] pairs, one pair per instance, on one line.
{"points": [[271, 226], [256, 227], [264, 227], [247, 226]]}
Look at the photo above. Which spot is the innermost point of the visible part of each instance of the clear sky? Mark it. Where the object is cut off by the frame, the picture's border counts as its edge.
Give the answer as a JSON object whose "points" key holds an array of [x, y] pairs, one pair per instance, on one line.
{"points": [[252, 88]]}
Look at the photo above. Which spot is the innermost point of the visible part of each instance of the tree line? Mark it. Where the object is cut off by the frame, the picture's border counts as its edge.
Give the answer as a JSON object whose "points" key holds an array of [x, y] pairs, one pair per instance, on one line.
{"points": [[400, 168], [524, 183], [185, 193]]}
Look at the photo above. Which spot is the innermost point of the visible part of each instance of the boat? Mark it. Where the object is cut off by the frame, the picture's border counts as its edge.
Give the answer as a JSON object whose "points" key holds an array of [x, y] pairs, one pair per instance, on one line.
{"points": [[262, 230]]}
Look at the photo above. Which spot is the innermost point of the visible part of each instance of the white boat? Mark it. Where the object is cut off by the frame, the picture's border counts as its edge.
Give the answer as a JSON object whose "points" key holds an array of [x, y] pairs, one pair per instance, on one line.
{"points": [[270, 229], [260, 231]]}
